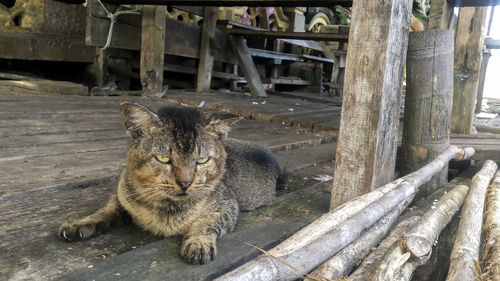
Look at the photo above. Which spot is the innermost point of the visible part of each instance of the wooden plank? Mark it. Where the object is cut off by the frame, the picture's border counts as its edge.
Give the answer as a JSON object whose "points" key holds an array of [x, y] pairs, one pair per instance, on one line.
{"points": [[264, 228], [274, 55], [152, 49], [181, 38], [491, 43], [468, 52], [207, 49], [428, 102], [46, 86], [37, 46], [247, 65], [473, 3], [289, 35], [366, 150], [231, 3]]}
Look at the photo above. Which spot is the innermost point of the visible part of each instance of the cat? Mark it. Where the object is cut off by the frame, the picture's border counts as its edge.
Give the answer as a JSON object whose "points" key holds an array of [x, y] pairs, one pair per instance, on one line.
{"points": [[185, 177]]}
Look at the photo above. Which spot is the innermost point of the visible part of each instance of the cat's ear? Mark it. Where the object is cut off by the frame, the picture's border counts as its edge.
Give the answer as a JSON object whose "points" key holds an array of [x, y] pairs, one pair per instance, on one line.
{"points": [[137, 118], [220, 124]]}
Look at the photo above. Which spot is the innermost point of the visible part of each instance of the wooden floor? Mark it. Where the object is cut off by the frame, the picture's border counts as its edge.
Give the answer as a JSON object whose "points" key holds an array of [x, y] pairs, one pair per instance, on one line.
{"points": [[60, 157]]}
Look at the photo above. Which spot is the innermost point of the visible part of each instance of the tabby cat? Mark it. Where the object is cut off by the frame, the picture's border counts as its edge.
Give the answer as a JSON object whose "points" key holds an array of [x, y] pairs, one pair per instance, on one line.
{"points": [[184, 177]]}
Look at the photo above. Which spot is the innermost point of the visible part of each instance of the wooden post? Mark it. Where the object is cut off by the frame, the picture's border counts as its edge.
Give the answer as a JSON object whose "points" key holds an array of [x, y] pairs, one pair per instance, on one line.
{"points": [[207, 49], [440, 15], [366, 148], [482, 77], [101, 67], [428, 102], [247, 65], [152, 49], [468, 52]]}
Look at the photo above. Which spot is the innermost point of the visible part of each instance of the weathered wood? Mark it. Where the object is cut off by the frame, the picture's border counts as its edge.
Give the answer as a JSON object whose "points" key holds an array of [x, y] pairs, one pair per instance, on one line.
{"points": [[428, 101], [152, 49], [46, 86], [371, 101], [465, 252], [207, 49], [340, 265], [492, 43], [491, 232], [482, 78], [364, 271], [289, 35], [247, 65], [473, 3], [468, 52], [231, 3], [337, 229], [440, 15]]}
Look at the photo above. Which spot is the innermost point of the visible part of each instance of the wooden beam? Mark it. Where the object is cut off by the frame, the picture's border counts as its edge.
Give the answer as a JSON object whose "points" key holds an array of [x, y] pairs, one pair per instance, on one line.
{"points": [[468, 52], [247, 65], [491, 43], [428, 101], [473, 3], [366, 148], [152, 49], [207, 49], [289, 35], [231, 3]]}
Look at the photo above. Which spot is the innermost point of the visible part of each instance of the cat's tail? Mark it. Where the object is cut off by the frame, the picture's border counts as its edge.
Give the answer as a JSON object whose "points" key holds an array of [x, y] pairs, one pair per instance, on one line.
{"points": [[282, 180]]}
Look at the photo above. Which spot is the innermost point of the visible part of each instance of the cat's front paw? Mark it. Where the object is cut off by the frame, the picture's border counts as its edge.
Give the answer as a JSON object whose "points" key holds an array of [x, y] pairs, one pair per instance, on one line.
{"points": [[79, 230], [198, 249]]}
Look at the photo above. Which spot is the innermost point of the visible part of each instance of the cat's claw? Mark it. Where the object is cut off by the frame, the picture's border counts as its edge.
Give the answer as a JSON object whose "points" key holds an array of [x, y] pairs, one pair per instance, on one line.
{"points": [[198, 250], [64, 235]]}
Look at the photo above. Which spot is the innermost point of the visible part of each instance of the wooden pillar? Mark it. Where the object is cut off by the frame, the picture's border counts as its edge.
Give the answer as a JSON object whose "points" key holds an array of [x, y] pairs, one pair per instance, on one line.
{"points": [[207, 49], [366, 148], [469, 43], [482, 77], [428, 101], [152, 49], [247, 65], [101, 67]]}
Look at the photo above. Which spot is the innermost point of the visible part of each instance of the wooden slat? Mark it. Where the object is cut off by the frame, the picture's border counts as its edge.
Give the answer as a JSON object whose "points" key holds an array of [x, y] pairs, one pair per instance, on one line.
{"points": [[230, 3], [473, 3], [366, 150], [207, 49], [491, 43]]}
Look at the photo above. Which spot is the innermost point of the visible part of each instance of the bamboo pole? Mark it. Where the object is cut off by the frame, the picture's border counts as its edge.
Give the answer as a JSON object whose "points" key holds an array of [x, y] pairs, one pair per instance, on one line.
{"points": [[346, 260], [491, 230], [465, 253], [289, 264], [415, 249]]}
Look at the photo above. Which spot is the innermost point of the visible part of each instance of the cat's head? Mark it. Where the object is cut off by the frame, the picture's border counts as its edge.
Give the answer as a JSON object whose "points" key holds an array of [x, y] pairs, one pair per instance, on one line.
{"points": [[177, 153]]}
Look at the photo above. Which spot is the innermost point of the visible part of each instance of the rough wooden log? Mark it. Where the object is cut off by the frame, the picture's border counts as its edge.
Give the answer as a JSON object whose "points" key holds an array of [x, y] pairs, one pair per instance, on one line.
{"points": [[491, 230], [351, 256], [428, 102], [465, 253], [152, 49], [372, 88], [414, 250], [305, 256], [468, 52], [207, 49], [364, 271], [440, 14]]}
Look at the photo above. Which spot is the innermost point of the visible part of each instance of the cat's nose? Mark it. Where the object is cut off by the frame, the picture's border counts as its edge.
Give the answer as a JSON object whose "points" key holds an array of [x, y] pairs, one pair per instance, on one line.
{"points": [[184, 184]]}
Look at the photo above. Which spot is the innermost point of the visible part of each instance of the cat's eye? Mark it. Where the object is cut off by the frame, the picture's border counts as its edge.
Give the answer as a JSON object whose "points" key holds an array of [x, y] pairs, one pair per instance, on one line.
{"points": [[162, 159], [202, 160]]}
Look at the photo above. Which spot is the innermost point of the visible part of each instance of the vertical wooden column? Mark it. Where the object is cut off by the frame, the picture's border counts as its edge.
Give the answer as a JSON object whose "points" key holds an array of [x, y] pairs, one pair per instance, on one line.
{"points": [[428, 101], [482, 77], [152, 48], [207, 49], [440, 14], [366, 148], [469, 43]]}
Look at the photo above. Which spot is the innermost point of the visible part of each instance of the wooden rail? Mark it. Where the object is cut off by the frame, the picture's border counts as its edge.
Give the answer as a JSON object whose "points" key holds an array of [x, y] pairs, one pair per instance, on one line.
{"points": [[230, 3], [289, 35]]}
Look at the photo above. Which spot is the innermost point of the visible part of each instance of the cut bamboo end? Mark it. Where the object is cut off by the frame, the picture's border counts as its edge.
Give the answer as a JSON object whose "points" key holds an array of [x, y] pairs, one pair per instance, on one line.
{"points": [[464, 153]]}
